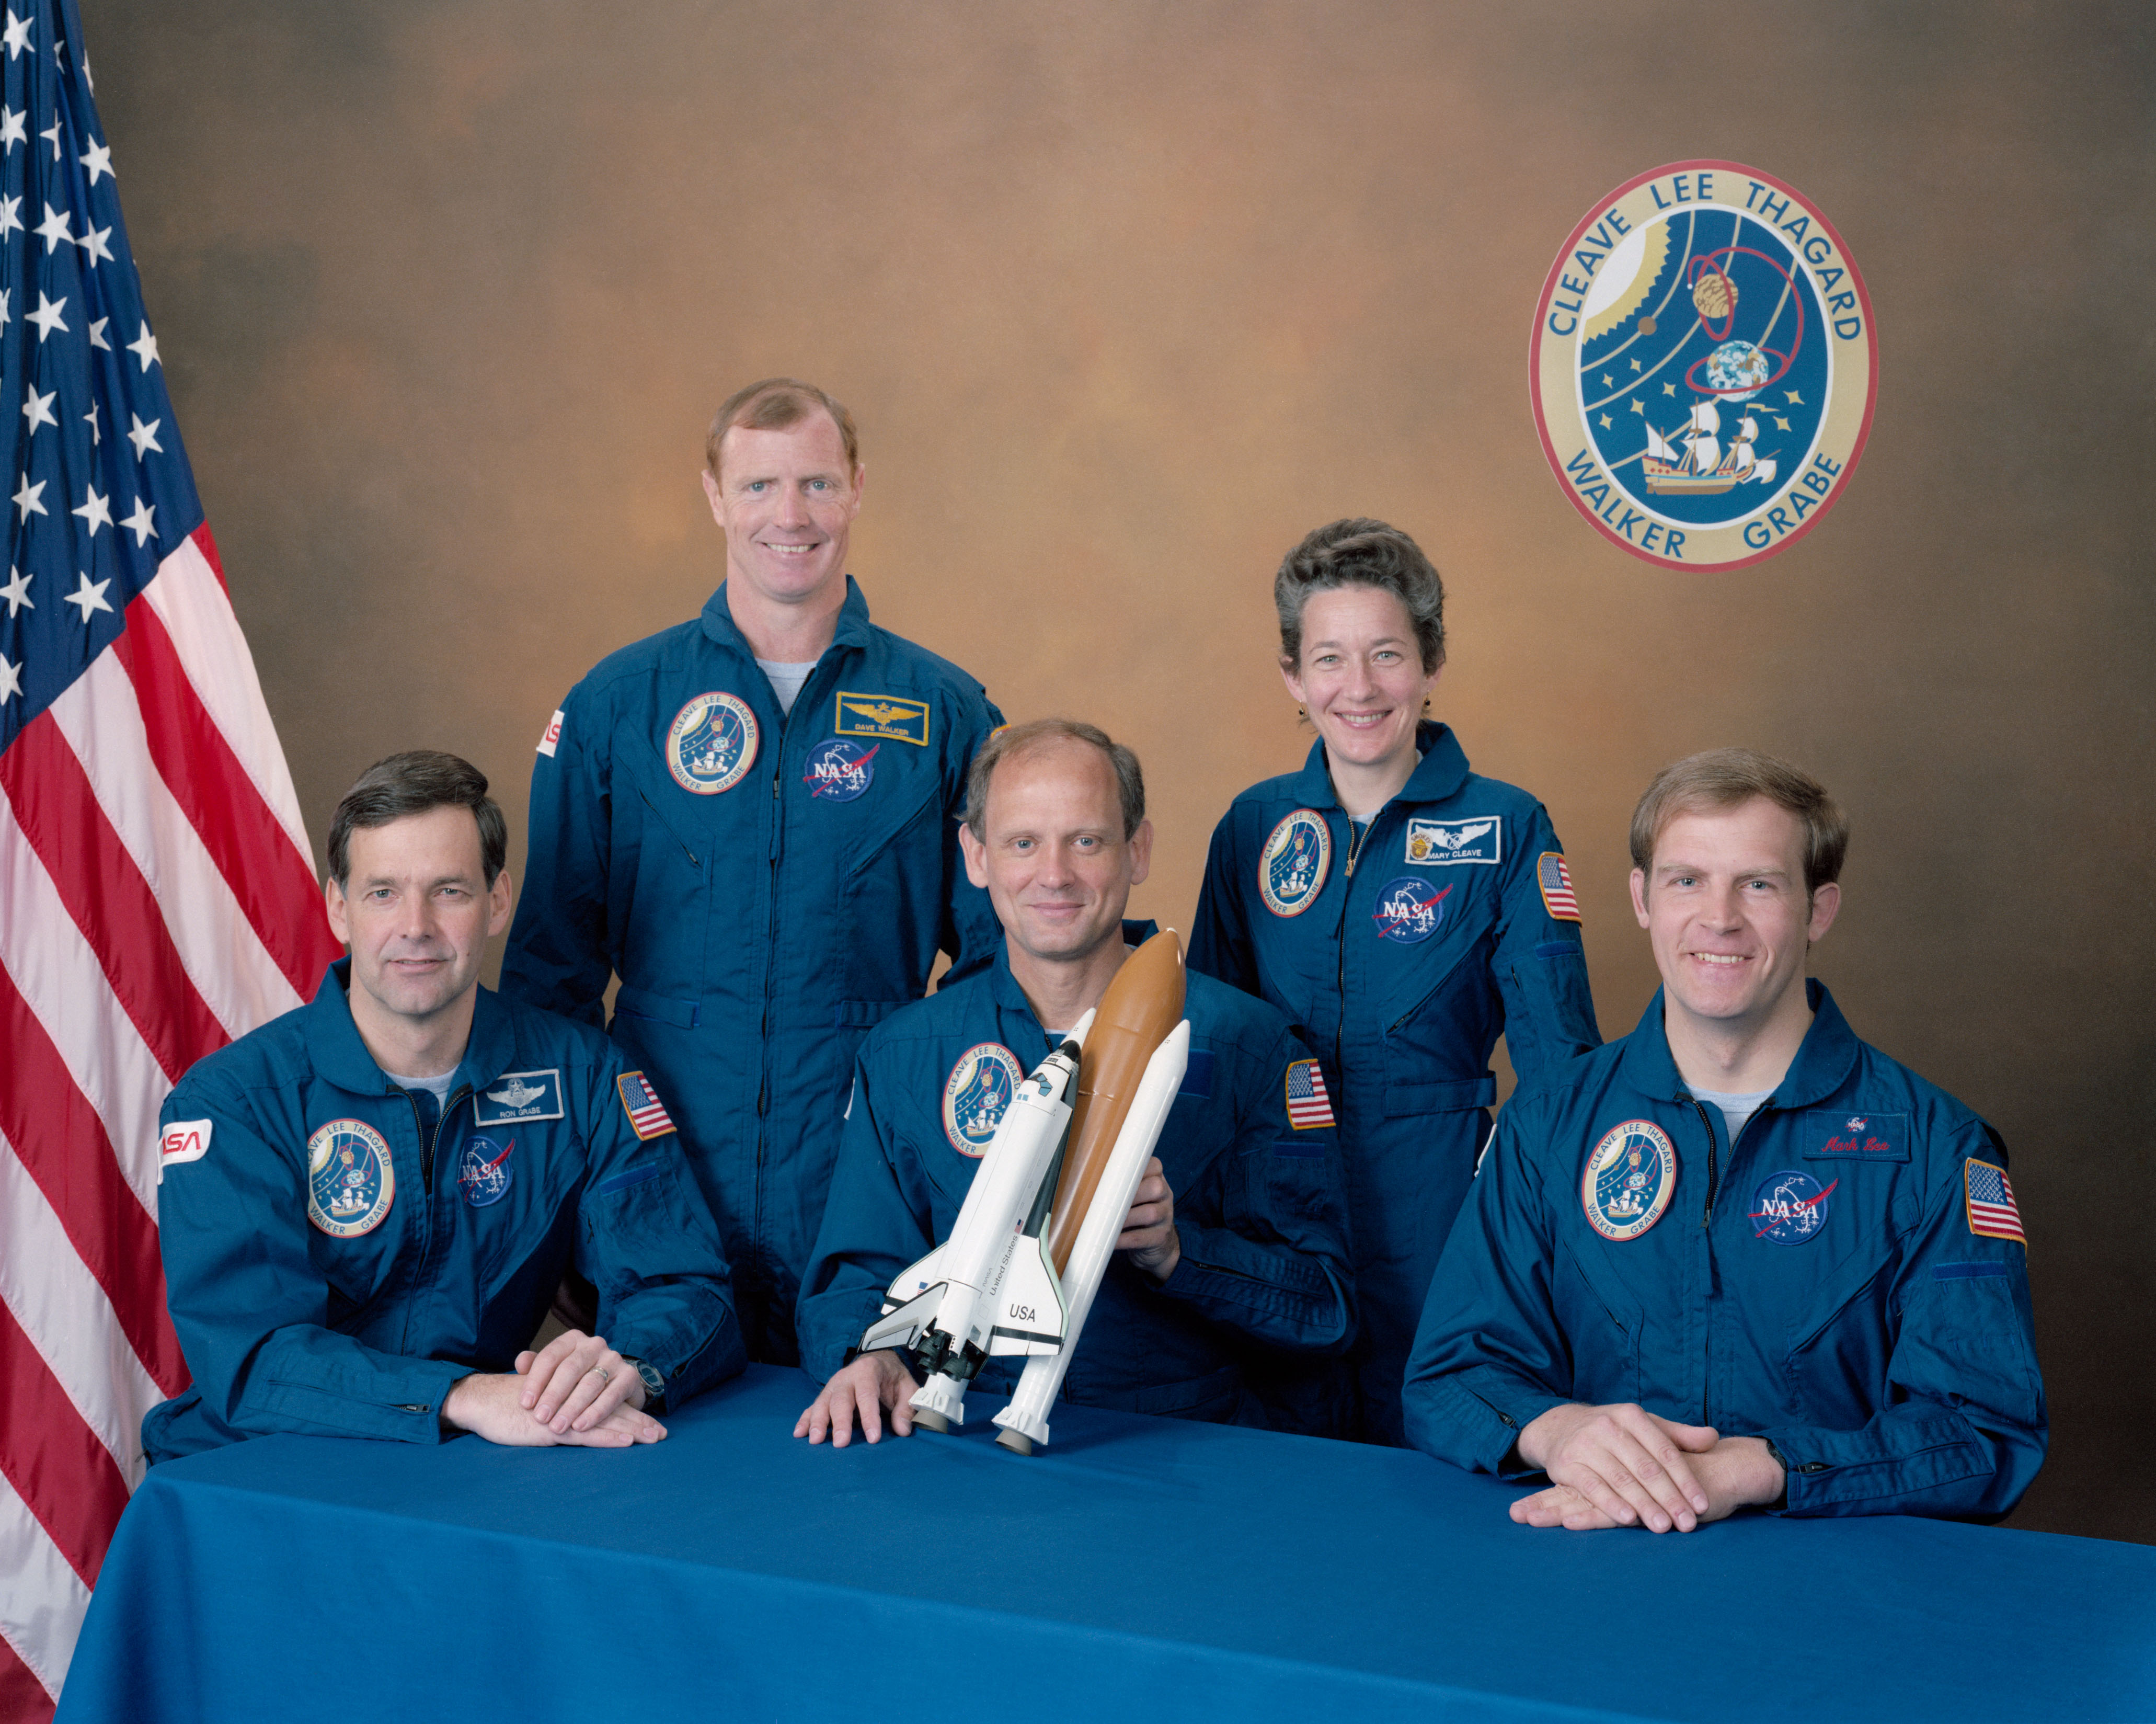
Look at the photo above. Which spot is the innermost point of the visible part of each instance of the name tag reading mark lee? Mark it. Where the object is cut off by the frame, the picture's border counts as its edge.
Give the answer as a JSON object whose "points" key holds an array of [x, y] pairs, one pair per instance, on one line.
{"points": [[516, 1096]]}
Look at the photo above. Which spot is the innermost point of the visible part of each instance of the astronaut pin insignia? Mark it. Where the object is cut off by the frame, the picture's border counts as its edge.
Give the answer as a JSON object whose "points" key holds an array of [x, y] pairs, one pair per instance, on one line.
{"points": [[1292, 867], [1704, 366], [711, 743], [1629, 1179], [980, 1087], [351, 1180]]}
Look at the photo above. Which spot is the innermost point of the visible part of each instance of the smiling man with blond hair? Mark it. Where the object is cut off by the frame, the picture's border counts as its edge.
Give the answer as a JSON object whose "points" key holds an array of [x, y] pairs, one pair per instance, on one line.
{"points": [[1739, 1258]]}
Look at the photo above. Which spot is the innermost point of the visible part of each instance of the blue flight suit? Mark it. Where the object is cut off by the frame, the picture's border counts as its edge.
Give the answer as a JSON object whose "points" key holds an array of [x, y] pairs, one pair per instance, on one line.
{"points": [[768, 887], [1843, 1281], [317, 1290], [1258, 1204], [1401, 950]]}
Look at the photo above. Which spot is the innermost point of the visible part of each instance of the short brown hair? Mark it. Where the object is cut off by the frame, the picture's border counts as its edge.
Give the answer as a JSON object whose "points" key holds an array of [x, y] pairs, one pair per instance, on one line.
{"points": [[412, 783], [1362, 553], [775, 404], [1724, 778], [1018, 738]]}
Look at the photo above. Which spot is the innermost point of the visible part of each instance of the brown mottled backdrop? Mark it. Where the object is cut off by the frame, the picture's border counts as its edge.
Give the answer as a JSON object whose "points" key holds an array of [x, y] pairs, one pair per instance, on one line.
{"points": [[1126, 297]]}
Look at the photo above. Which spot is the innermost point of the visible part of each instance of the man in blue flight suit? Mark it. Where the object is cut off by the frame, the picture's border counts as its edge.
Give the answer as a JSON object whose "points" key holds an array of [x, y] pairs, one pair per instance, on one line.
{"points": [[1738, 1258], [1233, 1251], [768, 887], [367, 1204]]}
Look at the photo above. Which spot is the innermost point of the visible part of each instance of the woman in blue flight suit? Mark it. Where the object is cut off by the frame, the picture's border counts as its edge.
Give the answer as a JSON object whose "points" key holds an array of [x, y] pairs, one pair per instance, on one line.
{"points": [[1403, 913]]}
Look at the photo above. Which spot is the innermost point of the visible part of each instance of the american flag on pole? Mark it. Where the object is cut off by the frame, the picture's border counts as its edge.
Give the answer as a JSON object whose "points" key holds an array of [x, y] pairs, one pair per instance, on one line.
{"points": [[1991, 1209], [156, 897], [1308, 1106]]}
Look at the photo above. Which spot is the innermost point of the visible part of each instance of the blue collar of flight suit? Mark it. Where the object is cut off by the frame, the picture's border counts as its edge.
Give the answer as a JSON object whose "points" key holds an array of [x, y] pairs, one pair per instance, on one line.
{"points": [[1825, 1059], [1440, 772], [334, 1049], [1009, 996], [852, 629]]}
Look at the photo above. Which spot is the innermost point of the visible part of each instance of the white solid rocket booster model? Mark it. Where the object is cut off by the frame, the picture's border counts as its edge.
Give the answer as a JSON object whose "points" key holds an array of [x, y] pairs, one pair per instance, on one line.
{"points": [[1040, 1220]]}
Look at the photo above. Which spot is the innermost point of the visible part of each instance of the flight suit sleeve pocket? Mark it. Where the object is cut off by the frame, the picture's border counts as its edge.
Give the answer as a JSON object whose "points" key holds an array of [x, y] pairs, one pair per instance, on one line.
{"points": [[1406, 1099], [642, 1002]]}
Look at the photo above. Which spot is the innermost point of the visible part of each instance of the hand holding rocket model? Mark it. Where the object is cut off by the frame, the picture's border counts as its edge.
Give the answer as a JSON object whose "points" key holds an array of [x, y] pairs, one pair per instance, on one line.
{"points": [[876, 1387]]}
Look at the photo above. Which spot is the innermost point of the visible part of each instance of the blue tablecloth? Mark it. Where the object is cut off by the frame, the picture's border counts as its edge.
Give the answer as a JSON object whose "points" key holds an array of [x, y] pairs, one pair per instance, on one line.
{"points": [[1135, 1569]]}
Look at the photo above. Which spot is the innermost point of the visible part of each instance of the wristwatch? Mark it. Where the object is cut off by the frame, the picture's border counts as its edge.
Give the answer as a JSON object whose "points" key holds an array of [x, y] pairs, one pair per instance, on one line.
{"points": [[655, 1384]]}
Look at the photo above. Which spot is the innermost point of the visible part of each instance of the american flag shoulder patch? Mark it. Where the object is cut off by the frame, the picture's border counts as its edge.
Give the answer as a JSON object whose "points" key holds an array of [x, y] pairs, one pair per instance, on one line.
{"points": [[1555, 880], [1309, 1108], [1989, 1199], [647, 1114]]}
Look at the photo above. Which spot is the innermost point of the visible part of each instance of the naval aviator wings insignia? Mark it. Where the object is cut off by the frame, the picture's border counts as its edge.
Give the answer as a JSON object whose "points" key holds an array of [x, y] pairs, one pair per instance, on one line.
{"points": [[889, 716]]}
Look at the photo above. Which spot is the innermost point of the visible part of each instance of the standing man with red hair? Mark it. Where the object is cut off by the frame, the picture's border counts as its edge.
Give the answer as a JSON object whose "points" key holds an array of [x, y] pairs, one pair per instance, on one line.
{"points": [[750, 819]]}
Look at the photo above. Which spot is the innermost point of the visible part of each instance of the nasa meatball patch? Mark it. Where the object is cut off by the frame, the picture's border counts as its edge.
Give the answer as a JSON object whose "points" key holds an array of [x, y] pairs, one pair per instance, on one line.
{"points": [[976, 1093], [1629, 1179], [1703, 366], [1789, 1207], [1408, 910], [838, 771], [711, 743]]}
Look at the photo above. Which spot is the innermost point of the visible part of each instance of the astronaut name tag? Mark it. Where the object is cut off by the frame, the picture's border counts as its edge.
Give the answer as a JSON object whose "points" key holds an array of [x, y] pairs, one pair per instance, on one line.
{"points": [[1440, 843], [517, 1096], [1856, 1137]]}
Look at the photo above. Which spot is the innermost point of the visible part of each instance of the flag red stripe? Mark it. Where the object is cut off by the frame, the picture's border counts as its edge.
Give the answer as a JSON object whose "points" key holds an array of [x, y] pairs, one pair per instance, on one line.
{"points": [[243, 837], [104, 892], [23, 1697], [61, 1471], [62, 1142], [206, 542]]}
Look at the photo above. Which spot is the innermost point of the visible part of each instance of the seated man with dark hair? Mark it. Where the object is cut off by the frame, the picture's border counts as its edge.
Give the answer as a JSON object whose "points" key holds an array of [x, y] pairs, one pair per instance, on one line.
{"points": [[1233, 1256], [1738, 1258], [367, 1204]]}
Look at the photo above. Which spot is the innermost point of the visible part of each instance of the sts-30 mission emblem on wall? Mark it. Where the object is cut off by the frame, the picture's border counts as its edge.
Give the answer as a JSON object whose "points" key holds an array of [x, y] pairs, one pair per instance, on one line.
{"points": [[1704, 365]]}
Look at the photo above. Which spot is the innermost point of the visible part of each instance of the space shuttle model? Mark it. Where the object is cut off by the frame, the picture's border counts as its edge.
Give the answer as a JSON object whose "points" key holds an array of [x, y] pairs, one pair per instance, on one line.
{"points": [[1040, 1220]]}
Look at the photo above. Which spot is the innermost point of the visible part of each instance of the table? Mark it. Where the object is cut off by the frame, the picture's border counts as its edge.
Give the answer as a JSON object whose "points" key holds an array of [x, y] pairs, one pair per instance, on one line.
{"points": [[1136, 1568]]}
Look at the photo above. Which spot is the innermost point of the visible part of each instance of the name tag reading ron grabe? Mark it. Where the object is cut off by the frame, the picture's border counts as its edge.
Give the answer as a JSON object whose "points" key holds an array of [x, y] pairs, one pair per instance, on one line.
{"points": [[515, 1096], [1703, 366]]}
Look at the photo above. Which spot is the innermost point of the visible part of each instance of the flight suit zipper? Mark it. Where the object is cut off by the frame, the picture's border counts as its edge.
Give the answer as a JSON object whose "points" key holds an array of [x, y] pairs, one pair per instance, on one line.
{"points": [[428, 1143]]}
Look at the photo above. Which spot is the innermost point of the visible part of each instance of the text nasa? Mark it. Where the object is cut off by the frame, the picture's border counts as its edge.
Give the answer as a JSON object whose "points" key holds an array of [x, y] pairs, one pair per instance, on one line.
{"points": [[1595, 486]]}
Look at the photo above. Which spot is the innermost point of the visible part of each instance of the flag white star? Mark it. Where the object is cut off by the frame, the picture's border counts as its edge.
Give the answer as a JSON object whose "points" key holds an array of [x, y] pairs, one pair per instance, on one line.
{"points": [[90, 418], [4, 292], [88, 77], [17, 592], [39, 408], [142, 523], [27, 495], [53, 131], [10, 219], [90, 595], [145, 348], [144, 436], [97, 334], [54, 229], [12, 131], [97, 511], [93, 242], [48, 318], [98, 160], [18, 32], [10, 680]]}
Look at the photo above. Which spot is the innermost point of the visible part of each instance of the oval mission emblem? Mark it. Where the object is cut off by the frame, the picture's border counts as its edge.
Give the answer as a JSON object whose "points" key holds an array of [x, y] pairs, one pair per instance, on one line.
{"points": [[351, 1180], [979, 1088], [1629, 1179], [1703, 366], [711, 743], [1292, 867]]}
